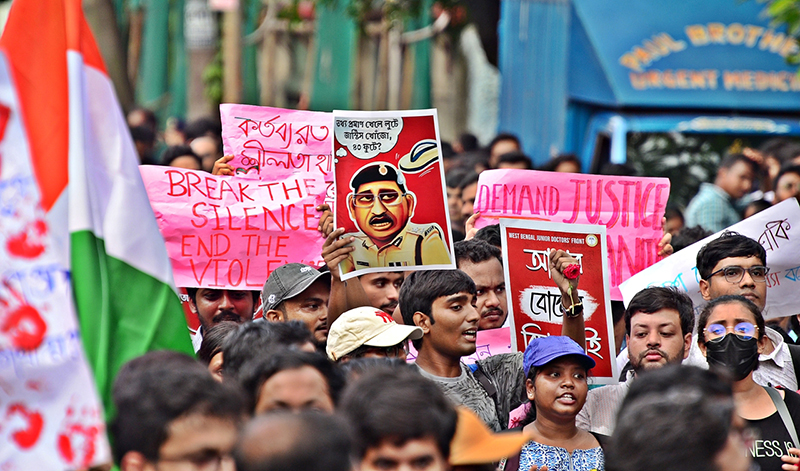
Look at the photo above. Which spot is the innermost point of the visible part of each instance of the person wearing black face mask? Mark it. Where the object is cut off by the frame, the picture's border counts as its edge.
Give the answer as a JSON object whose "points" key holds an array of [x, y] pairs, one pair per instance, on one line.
{"points": [[731, 335]]}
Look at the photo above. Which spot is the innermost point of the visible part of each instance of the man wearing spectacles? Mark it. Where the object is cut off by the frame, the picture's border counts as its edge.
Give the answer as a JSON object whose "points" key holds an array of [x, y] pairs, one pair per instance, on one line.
{"points": [[382, 208], [735, 264]]}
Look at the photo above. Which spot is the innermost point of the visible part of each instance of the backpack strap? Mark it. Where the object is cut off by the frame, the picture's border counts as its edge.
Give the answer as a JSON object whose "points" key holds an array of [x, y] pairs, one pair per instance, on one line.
{"points": [[794, 352], [784, 413], [491, 390]]}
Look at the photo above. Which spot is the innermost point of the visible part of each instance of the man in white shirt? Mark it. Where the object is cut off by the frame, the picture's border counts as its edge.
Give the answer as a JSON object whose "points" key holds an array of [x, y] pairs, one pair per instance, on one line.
{"points": [[658, 326]]}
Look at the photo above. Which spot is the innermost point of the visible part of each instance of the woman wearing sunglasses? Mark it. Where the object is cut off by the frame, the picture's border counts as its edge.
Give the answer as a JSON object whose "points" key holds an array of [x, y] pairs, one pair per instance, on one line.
{"points": [[731, 335]]}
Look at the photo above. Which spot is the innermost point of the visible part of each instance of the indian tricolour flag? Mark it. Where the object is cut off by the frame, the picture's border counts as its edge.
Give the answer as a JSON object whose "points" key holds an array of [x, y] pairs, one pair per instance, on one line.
{"points": [[73, 209]]}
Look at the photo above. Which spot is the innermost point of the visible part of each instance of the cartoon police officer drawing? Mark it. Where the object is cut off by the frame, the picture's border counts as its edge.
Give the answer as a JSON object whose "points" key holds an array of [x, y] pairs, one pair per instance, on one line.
{"points": [[382, 208]]}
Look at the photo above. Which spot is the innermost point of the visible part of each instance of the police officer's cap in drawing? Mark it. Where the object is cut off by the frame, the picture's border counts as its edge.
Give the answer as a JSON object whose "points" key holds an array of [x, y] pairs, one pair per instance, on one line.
{"points": [[377, 173]]}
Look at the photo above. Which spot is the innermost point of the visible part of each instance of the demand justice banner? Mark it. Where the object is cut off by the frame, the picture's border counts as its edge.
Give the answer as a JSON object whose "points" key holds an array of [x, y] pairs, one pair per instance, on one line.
{"points": [[777, 229], [229, 232], [631, 208], [534, 298], [390, 193]]}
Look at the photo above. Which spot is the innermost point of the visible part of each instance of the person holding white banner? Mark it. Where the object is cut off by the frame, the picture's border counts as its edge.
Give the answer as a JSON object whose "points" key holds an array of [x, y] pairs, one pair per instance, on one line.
{"points": [[734, 264]]}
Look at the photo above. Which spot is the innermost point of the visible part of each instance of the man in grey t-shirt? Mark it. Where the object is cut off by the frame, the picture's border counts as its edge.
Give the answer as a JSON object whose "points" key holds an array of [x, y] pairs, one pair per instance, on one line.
{"points": [[442, 304]]}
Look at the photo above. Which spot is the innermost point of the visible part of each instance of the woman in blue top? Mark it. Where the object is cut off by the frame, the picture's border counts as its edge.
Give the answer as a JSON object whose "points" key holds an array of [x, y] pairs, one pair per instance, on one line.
{"points": [[556, 369]]}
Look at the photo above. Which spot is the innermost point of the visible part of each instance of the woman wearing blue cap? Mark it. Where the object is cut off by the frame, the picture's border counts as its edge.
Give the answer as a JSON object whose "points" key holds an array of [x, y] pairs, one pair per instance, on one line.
{"points": [[556, 368]]}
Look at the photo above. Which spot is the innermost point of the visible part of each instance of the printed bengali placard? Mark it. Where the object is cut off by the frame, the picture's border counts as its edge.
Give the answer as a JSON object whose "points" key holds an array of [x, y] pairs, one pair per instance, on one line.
{"points": [[534, 300]]}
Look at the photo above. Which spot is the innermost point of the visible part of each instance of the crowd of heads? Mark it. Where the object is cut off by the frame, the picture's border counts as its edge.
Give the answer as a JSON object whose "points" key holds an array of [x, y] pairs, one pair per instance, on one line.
{"points": [[285, 381]]}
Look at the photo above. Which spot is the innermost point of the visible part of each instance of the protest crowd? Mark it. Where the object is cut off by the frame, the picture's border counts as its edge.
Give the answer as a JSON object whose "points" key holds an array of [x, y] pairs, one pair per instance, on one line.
{"points": [[315, 372], [363, 296]]}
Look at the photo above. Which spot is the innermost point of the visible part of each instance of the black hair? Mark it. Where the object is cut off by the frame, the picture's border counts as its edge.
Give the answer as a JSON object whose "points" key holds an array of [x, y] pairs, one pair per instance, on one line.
{"points": [[617, 311], [192, 293], [729, 244], [715, 382], [150, 119], [673, 212], [173, 152], [732, 159], [675, 418], [490, 234], [781, 149], [468, 142], [469, 179], [309, 441], [155, 389], [475, 158], [202, 127], [455, 175], [213, 340], [620, 170], [655, 298], [447, 151], [758, 205], [515, 157], [422, 288], [398, 405], [257, 339], [795, 169], [708, 309], [476, 251], [504, 136], [553, 163], [357, 367], [688, 236], [256, 371], [143, 134]]}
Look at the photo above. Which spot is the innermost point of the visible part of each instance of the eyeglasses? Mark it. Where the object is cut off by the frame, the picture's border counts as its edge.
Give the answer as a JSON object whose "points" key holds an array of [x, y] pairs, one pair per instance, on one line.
{"points": [[735, 274], [745, 330], [386, 197], [204, 460]]}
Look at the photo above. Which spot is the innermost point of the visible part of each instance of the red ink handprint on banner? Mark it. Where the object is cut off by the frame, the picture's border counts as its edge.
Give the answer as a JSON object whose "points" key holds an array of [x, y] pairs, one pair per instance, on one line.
{"points": [[29, 243], [23, 326], [25, 438], [76, 441]]}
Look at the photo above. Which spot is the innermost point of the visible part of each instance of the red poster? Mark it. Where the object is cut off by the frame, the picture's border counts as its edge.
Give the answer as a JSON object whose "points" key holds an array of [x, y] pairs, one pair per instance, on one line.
{"points": [[390, 194], [534, 298]]}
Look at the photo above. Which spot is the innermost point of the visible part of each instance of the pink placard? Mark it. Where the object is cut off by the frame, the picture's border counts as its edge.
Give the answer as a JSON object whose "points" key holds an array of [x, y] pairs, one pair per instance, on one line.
{"points": [[272, 144], [631, 208], [489, 342], [231, 232]]}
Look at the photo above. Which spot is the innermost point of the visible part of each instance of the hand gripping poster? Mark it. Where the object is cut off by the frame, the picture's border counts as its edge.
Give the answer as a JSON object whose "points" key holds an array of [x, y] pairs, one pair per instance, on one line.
{"points": [[390, 194], [534, 299]]}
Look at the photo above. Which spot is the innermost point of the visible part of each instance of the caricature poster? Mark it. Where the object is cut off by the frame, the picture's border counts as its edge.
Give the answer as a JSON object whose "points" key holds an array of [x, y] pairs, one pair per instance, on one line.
{"points": [[534, 298], [390, 193]]}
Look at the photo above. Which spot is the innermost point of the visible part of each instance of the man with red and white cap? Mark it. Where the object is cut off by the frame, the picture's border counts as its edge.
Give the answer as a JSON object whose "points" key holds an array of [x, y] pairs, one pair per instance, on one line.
{"points": [[368, 332]]}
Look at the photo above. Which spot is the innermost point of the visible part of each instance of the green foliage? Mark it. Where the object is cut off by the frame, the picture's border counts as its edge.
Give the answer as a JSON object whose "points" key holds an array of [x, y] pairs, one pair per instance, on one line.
{"points": [[212, 79], [785, 13]]}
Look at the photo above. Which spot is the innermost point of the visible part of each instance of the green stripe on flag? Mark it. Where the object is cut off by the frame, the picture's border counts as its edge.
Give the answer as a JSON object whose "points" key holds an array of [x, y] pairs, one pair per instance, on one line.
{"points": [[122, 312]]}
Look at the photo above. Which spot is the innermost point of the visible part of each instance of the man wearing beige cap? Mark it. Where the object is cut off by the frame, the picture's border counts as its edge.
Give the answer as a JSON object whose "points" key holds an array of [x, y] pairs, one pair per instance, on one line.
{"points": [[368, 332]]}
